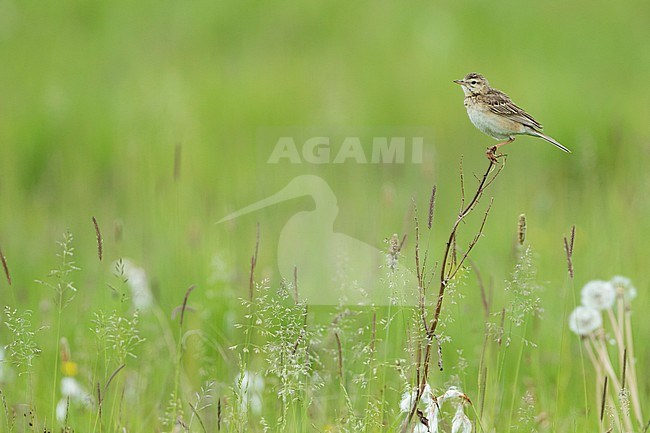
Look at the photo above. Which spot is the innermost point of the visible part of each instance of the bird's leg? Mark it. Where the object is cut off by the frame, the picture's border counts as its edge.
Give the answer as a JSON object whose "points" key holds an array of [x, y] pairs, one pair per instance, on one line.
{"points": [[503, 143], [492, 151]]}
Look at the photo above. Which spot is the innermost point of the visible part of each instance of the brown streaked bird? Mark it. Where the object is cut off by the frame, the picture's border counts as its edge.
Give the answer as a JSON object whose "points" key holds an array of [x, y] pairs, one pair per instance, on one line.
{"points": [[494, 114]]}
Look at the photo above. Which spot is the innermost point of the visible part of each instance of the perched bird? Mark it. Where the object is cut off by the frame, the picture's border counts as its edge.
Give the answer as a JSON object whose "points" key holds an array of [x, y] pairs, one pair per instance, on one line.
{"points": [[494, 114]]}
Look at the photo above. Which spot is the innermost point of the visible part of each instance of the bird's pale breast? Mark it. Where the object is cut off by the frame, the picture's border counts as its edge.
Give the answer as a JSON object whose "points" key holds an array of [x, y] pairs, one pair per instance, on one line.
{"points": [[498, 127]]}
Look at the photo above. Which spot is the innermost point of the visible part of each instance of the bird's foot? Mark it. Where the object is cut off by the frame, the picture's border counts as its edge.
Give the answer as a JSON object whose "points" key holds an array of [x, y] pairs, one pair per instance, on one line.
{"points": [[492, 155]]}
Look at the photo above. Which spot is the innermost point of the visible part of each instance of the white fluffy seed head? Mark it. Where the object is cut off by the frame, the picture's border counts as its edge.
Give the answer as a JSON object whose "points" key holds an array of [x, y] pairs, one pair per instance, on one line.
{"points": [[452, 392], [408, 397], [406, 403], [623, 287], [585, 320], [598, 294], [461, 422]]}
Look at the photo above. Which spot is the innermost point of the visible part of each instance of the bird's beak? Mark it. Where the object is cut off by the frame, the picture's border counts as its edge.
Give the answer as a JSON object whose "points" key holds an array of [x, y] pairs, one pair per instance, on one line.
{"points": [[459, 82]]}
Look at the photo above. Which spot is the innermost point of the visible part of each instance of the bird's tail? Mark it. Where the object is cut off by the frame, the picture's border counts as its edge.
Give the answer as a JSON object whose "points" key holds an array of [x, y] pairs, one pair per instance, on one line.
{"points": [[549, 139]]}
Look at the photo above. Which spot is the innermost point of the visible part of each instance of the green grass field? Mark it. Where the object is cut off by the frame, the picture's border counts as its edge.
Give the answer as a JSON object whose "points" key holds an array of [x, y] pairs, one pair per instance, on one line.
{"points": [[159, 118]]}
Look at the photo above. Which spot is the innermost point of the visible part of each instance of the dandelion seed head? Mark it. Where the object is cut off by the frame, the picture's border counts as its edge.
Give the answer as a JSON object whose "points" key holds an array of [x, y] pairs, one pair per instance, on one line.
{"points": [[598, 294], [623, 286], [585, 320]]}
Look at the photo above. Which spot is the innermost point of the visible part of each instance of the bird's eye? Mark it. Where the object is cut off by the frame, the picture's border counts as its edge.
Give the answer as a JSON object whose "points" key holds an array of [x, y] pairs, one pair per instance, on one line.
{"points": [[473, 82]]}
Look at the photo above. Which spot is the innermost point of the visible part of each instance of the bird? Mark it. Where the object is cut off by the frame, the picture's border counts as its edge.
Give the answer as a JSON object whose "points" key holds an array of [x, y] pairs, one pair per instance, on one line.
{"points": [[493, 113]]}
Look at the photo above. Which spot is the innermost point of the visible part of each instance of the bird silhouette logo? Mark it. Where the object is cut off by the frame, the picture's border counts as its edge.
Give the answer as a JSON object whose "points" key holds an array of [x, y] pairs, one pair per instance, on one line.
{"points": [[333, 268]]}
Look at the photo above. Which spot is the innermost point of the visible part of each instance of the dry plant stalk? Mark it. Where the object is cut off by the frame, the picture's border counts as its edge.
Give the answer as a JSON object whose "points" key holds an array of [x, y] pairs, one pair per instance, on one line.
{"points": [[521, 229], [100, 242], [450, 266], [568, 249], [340, 355], [5, 267], [432, 205], [251, 278], [185, 298], [295, 284], [101, 395]]}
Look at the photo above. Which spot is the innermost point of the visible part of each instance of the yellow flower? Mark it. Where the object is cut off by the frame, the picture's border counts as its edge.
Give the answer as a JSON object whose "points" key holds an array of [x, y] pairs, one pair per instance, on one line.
{"points": [[69, 368]]}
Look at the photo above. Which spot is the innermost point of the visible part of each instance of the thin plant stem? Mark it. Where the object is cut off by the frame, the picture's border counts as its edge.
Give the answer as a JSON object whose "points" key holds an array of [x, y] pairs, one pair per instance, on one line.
{"points": [[620, 313], [618, 335], [603, 356], [600, 377], [515, 381], [55, 374], [632, 380], [602, 404], [447, 270], [568, 248]]}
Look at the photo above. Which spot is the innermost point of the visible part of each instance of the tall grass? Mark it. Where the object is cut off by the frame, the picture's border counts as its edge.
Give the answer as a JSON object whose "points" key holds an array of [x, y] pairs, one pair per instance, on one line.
{"points": [[93, 123], [292, 367]]}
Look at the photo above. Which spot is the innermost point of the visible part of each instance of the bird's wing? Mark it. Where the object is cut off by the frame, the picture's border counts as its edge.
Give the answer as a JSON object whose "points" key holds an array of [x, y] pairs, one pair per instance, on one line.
{"points": [[501, 104]]}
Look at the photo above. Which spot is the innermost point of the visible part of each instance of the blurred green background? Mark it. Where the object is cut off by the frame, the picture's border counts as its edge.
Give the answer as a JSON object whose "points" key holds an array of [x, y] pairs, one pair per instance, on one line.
{"points": [[97, 98]]}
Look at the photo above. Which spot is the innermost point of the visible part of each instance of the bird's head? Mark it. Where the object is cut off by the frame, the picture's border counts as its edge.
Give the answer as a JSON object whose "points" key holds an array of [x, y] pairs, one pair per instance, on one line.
{"points": [[473, 84]]}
